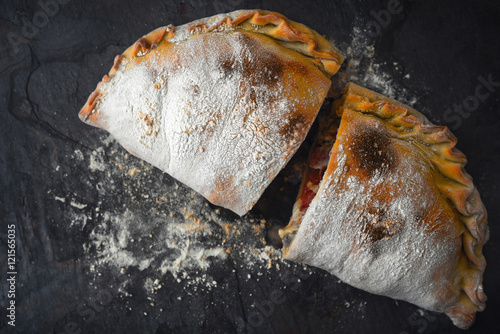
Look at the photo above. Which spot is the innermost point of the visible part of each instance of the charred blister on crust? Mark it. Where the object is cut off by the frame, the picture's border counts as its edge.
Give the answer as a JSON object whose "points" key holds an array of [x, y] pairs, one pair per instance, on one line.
{"points": [[374, 150]]}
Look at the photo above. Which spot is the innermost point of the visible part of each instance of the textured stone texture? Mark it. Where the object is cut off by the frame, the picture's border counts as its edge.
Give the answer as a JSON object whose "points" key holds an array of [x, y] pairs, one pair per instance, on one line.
{"points": [[99, 232]]}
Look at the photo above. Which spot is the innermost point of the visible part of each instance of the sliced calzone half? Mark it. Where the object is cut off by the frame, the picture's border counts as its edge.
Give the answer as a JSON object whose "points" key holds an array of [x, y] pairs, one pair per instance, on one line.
{"points": [[221, 104], [390, 209]]}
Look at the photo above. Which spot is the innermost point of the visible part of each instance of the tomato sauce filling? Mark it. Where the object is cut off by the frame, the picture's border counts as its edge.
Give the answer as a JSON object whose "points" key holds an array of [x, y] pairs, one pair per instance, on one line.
{"points": [[309, 191], [315, 170]]}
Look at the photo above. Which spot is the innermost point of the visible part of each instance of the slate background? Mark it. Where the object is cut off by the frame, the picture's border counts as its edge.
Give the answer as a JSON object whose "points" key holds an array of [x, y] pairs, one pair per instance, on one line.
{"points": [[445, 46]]}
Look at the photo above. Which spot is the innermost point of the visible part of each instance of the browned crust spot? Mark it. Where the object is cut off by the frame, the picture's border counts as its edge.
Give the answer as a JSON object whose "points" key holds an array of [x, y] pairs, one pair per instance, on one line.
{"points": [[309, 42], [295, 127], [374, 151], [378, 225], [267, 70]]}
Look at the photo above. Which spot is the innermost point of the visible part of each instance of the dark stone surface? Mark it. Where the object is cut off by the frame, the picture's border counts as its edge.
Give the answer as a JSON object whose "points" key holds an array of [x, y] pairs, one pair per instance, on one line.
{"points": [[65, 185]]}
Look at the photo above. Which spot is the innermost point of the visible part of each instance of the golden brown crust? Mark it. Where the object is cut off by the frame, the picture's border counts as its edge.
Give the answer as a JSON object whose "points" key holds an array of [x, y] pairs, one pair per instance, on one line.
{"points": [[454, 184], [289, 34]]}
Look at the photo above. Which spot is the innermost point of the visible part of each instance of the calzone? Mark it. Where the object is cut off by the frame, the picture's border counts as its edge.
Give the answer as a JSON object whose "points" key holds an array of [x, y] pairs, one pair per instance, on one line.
{"points": [[390, 209], [221, 104]]}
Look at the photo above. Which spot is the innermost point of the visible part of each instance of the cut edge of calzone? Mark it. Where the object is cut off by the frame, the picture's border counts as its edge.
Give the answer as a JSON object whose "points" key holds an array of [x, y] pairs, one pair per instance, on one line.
{"points": [[391, 209], [221, 103]]}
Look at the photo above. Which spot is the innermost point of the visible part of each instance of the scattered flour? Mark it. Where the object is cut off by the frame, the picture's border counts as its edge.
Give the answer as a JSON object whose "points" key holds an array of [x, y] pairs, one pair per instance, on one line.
{"points": [[362, 68], [165, 230], [60, 199], [78, 155], [96, 161], [77, 205], [173, 244]]}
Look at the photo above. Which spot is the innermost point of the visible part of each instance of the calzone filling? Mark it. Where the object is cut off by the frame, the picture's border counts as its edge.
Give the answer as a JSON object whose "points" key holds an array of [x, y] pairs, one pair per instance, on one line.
{"points": [[313, 174]]}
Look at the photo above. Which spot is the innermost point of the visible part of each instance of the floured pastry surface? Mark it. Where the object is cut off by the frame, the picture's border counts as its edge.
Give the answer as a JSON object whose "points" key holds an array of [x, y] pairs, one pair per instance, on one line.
{"points": [[395, 213], [221, 104]]}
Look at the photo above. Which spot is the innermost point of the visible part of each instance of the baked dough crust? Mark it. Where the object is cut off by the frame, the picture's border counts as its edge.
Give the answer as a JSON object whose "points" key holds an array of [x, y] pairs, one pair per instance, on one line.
{"points": [[396, 214], [221, 103]]}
